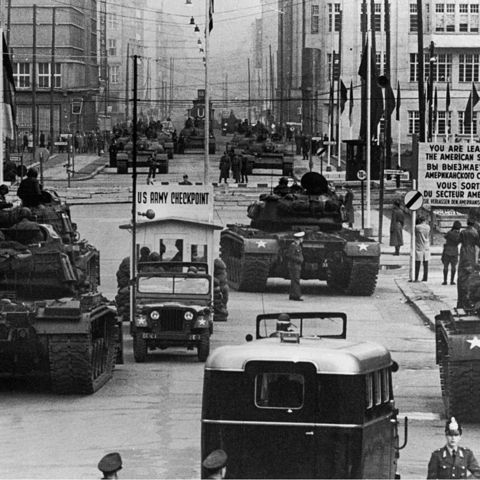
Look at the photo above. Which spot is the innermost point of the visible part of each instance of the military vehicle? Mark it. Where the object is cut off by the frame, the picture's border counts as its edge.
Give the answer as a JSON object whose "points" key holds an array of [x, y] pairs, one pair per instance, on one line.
{"points": [[173, 308], [347, 260], [146, 149], [53, 321]]}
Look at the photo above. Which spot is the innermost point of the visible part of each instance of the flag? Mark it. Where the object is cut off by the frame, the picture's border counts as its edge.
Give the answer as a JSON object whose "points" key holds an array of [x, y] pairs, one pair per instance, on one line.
{"points": [[374, 96], [8, 94], [330, 101], [350, 115], [448, 97], [398, 101], [210, 15], [389, 101], [435, 107], [343, 96], [472, 101]]}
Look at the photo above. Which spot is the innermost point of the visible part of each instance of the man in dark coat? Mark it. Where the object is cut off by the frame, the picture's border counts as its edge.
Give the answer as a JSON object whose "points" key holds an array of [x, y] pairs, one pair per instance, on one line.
{"points": [[453, 461], [450, 252], [349, 207], [396, 227], [468, 240], [295, 261], [224, 167]]}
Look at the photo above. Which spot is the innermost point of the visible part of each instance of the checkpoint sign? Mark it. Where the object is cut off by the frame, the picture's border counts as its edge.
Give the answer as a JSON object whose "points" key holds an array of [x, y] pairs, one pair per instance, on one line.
{"points": [[362, 175], [413, 200]]}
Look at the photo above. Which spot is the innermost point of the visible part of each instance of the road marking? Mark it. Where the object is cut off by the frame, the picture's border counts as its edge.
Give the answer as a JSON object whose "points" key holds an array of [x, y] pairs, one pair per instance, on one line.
{"points": [[421, 416]]}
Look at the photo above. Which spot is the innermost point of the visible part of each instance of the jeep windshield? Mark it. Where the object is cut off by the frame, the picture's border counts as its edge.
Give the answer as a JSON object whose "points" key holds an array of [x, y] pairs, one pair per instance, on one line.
{"points": [[174, 285]]}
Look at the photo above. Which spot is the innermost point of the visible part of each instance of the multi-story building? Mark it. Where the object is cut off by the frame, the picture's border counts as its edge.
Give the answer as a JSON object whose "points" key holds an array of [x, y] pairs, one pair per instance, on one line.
{"points": [[55, 65], [321, 32]]}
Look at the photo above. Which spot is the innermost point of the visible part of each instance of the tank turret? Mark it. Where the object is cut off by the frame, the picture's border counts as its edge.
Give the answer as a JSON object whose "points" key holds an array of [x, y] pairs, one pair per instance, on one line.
{"points": [[312, 205]]}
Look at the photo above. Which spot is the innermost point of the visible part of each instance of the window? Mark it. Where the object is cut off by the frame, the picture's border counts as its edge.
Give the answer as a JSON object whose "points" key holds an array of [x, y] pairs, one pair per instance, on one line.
{"points": [[463, 8], [413, 17], [385, 385], [413, 122], [334, 17], [369, 390], [439, 8], [377, 384], [467, 129], [199, 253], [21, 75], [442, 67], [44, 75], [112, 21], [442, 127], [113, 74], [336, 65], [468, 68], [279, 390], [315, 19], [381, 62], [112, 47]]}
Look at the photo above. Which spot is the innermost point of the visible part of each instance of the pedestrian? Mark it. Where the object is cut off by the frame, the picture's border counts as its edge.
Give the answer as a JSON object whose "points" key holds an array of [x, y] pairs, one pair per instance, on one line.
{"points": [[282, 188], [152, 167], [236, 167], [305, 146], [298, 142], [468, 239], [422, 247], [453, 461], [450, 252], [224, 168], [244, 168], [25, 142], [349, 208], [110, 464], [216, 464], [396, 227], [295, 261], [42, 139], [185, 181]]}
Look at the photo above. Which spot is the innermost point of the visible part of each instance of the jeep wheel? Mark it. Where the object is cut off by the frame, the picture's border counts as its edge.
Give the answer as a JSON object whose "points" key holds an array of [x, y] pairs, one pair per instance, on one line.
{"points": [[139, 348], [203, 347]]}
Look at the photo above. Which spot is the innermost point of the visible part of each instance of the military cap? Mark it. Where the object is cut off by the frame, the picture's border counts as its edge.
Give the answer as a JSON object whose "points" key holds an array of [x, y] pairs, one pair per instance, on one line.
{"points": [[216, 460], [452, 427], [299, 234], [283, 317], [111, 462]]}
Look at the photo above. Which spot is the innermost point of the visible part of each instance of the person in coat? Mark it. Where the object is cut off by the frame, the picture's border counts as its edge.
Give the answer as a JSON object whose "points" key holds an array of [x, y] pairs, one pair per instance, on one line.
{"points": [[224, 168], [453, 461], [396, 227], [29, 190], [422, 247], [468, 239], [295, 261], [349, 207], [450, 252]]}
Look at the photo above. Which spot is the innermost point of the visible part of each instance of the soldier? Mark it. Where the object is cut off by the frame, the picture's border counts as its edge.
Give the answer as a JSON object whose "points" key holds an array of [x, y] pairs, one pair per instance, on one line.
{"points": [[468, 240], [186, 181], [453, 461], [282, 188], [110, 464], [396, 227], [450, 252], [216, 464], [295, 261]]}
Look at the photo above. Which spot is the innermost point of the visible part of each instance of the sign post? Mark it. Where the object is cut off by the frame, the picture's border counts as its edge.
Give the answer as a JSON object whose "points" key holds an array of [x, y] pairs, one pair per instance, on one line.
{"points": [[362, 175], [413, 201]]}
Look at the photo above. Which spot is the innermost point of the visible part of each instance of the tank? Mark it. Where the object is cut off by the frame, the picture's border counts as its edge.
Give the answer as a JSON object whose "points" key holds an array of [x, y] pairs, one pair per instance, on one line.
{"points": [[457, 338], [53, 320], [193, 138], [347, 260]]}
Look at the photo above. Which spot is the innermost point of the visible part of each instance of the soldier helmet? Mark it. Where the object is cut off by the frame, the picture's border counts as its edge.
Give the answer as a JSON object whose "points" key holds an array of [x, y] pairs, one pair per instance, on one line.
{"points": [[452, 427], [216, 460], [25, 213], [32, 172], [154, 257], [110, 463], [4, 189], [283, 181]]}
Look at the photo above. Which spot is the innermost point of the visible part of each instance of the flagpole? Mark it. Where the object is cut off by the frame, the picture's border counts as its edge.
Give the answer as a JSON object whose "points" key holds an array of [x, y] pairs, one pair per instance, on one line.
{"points": [[471, 115], [2, 99], [206, 171], [369, 115]]}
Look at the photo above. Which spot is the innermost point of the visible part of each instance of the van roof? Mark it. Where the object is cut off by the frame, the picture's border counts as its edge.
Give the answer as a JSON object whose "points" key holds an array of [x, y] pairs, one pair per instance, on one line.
{"points": [[330, 356]]}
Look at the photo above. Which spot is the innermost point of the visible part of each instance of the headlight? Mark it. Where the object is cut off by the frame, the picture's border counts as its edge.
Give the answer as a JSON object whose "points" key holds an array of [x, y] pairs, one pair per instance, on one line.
{"points": [[141, 321], [154, 315], [188, 316]]}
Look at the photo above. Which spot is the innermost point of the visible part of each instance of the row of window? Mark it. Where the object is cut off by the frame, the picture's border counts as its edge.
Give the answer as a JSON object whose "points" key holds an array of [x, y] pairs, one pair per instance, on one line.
{"points": [[449, 17], [444, 123], [22, 75]]}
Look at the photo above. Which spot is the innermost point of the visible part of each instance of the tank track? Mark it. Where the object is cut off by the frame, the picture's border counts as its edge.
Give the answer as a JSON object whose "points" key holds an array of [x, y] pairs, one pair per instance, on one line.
{"points": [[358, 277], [79, 365], [461, 389], [247, 274]]}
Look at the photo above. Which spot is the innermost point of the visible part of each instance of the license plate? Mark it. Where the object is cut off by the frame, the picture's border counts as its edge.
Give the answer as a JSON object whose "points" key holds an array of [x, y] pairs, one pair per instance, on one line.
{"points": [[149, 335], [194, 337]]}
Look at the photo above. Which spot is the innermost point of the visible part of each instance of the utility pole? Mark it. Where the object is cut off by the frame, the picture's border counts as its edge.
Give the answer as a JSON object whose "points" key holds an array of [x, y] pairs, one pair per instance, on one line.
{"points": [[271, 82], [430, 91], [127, 92], [421, 76], [249, 92], [52, 82], [34, 82]]}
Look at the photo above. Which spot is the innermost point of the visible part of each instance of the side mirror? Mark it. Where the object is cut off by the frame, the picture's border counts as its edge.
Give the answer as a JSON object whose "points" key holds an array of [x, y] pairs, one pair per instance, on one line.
{"points": [[248, 338]]}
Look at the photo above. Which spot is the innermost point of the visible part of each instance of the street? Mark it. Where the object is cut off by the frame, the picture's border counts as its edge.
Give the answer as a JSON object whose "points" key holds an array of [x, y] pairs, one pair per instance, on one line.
{"points": [[150, 412]]}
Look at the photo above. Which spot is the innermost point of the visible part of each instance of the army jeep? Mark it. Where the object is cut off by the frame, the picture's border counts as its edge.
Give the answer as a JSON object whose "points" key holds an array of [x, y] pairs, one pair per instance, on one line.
{"points": [[173, 308]]}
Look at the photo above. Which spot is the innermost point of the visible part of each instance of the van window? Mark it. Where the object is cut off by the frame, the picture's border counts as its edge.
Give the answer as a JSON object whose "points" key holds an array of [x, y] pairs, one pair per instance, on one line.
{"points": [[385, 385], [369, 390], [377, 385], [279, 390]]}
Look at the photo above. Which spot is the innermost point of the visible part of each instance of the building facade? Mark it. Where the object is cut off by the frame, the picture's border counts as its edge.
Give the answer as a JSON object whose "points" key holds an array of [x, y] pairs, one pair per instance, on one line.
{"points": [[55, 66], [336, 32]]}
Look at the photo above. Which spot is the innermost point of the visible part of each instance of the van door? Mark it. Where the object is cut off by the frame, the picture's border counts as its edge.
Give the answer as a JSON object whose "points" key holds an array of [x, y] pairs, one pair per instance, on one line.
{"points": [[279, 425]]}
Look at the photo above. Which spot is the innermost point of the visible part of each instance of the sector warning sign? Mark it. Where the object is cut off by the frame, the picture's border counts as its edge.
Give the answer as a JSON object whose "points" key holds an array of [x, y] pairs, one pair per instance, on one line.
{"points": [[449, 174]]}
